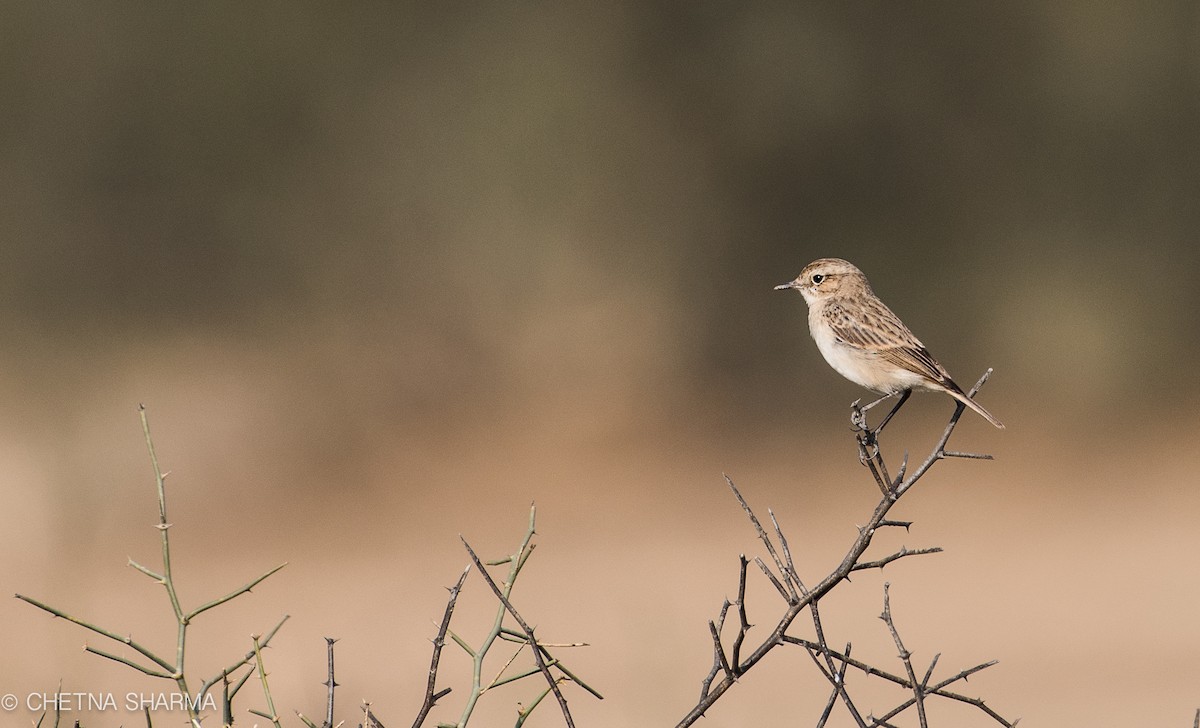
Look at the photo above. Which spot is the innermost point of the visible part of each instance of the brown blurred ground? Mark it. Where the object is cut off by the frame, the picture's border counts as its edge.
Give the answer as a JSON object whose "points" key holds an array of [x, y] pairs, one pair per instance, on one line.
{"points": [[384, 276]]}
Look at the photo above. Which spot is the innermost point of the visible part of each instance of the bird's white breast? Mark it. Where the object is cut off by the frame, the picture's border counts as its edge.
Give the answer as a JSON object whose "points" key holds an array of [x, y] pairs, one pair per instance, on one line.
{"points": [[863, 367]]}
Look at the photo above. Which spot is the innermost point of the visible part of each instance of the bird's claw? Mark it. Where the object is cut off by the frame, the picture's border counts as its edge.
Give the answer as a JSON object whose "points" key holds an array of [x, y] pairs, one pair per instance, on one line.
{"points": [[868, 447], [858, 418]]}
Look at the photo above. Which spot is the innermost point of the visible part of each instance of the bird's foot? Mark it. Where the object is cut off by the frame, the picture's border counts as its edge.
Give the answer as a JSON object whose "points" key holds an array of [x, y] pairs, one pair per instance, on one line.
{"points": [[868, 446], [858, 417]]}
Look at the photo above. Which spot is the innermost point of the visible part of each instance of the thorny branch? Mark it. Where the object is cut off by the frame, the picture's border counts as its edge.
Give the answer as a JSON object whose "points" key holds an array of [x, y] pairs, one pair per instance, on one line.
{"points": [[918, 688], [330, 684], [168, 669], [537, 650], [546, 665], [432, 696], [728, 668]]}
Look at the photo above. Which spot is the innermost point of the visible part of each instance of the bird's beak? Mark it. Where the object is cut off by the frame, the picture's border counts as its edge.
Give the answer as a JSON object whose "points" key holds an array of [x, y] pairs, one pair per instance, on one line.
{"points": [[789, 284]]}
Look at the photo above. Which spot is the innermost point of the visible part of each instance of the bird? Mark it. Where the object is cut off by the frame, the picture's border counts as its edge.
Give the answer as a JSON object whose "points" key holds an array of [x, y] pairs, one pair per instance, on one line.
{"points": [[865, 342]]}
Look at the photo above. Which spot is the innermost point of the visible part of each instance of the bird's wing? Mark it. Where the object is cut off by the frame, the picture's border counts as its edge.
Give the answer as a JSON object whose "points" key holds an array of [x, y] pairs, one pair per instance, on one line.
{"points": [[920, 361], [873, 327]]}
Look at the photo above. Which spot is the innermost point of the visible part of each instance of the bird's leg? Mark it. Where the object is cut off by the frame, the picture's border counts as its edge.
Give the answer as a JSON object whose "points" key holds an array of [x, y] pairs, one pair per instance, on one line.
{"points": [[858, 417], [903, 398], [868, 448], [869, 406], [864, 408], [868, 438]]}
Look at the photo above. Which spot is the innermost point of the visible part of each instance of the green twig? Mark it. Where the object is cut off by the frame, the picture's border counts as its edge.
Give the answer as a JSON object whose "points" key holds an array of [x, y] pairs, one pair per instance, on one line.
{"points": [[172, 671], [506, 606], [524, 712], [98, 630], [273, 716], [515, 561], [247, 659], [236, 593], [126, 661]]}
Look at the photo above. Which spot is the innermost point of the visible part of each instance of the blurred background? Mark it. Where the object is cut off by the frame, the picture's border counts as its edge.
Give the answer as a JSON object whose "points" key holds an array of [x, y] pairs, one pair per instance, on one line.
{"points": [[387, 274]]}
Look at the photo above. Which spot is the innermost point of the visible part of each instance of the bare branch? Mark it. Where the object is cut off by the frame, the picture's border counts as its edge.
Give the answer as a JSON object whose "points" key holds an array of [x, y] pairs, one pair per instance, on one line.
{"points": [[785, 579], [719, 650], [828, 669], [762, 535], [330, 684], [770, 575], [905, 657], [904, 551], [791, 572], [431, 697], [939, 689], [369, 719], [838, 681], [743, 621], [719, 660]]}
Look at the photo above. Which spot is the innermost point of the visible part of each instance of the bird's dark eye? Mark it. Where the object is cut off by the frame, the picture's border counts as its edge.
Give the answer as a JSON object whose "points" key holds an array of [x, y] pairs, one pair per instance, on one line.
{"points": [[817, 278]]}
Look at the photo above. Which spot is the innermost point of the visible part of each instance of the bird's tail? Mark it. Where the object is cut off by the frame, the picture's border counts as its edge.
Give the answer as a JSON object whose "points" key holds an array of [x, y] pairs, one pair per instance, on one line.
{"points": [[962, 397]]}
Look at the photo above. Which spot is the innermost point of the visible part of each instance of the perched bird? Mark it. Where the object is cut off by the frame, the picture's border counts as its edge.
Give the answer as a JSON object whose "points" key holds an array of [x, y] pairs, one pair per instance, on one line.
{"points": [[865, 342]]}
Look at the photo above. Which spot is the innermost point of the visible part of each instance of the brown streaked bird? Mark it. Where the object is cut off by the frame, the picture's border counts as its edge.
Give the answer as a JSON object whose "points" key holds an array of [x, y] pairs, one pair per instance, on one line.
{"points": [[865, 342]]}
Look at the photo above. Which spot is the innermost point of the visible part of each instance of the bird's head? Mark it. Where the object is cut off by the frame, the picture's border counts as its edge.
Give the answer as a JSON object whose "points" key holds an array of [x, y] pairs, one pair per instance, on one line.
{"points": [[827, 278]]}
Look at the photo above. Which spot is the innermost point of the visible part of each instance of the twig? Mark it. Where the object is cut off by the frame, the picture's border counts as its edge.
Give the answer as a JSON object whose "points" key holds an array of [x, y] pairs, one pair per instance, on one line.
{"points": [[524, 711], [838, 682], [125, 640], [828, 669], [512, 635], [431, 697], [272, 715], [537, 654], [929, 672], [330, 684], [939, 689], [543, 660], [246, 659], [775, 581], [541, 646], [743, 621], [535, 670], [244, 589], [762, 535], [939, 452], [369, 719], [719, 651], [515, 561], [791, 572], [719, 661], [904, 551], [905, 657]]}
